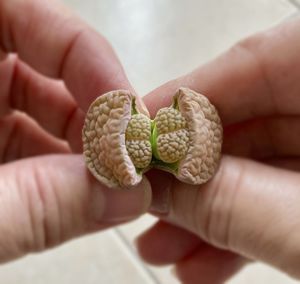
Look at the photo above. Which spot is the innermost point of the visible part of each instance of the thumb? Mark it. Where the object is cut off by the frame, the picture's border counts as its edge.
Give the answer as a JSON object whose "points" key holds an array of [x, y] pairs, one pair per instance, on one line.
{"points": [[46, 201], [248, 208]]}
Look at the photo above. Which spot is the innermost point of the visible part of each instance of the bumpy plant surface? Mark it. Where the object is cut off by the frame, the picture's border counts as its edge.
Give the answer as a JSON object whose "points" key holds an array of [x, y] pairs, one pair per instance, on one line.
{"points": [[121, 142]]}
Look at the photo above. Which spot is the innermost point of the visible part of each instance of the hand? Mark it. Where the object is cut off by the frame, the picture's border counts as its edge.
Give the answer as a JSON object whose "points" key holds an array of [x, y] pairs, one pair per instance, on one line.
{"points": [[250, 209], [58, 68]]}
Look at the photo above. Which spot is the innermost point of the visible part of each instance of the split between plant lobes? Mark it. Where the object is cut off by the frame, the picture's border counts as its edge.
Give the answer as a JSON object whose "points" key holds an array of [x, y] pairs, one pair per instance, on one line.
{"points": [[121, 142]]}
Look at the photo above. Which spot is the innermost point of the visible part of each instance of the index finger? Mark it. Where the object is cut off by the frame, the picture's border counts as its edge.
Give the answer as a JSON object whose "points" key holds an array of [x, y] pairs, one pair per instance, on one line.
{"points": [[257, 77], [51, 39]]}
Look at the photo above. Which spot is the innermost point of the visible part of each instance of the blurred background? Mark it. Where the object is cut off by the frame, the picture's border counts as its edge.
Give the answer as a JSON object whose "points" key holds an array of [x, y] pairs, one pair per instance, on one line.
{"points": [[156, 40]]}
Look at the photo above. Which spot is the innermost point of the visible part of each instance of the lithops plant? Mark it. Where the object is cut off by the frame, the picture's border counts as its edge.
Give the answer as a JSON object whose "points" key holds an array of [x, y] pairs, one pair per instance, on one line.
{"points": [[121, 142]]}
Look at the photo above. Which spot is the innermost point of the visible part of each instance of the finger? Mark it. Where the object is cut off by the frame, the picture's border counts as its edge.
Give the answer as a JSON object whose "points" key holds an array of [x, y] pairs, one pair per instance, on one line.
{"points": [[21, 137], [47, 101], [249, 80], [171, 244], [194, 258], [161, 184], [56, 43], [202, 266], [248, 208], [292, 164], [264, 138], [48, 200], [2, 54], [6, 78], [161, 235]]}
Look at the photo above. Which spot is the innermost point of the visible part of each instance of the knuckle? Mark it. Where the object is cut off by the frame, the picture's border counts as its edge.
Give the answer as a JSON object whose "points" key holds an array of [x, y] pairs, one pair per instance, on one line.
{"points": [[43, 207], [36, 208], [220, 198]]}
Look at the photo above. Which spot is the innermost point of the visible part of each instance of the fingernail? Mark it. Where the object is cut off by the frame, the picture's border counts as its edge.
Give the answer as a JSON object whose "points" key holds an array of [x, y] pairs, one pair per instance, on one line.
{"points": [[161, 184], [119, 205]]}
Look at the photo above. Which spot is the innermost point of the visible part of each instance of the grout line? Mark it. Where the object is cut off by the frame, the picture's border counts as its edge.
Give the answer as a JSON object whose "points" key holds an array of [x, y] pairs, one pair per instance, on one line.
{"points": [[129, 250], [295, 3]]}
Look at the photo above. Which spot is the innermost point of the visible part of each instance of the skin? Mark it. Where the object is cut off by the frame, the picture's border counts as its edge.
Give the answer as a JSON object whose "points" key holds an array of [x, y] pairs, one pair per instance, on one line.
{"points": [[45, 198], [250, 209]]}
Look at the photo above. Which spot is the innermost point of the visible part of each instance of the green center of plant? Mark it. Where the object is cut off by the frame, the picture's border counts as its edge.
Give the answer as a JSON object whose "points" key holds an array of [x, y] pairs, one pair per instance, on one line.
{"points": [[159, 143]]}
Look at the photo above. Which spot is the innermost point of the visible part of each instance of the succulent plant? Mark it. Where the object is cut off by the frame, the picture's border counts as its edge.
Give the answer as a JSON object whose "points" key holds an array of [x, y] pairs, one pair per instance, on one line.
{"points": [[121, 142]]}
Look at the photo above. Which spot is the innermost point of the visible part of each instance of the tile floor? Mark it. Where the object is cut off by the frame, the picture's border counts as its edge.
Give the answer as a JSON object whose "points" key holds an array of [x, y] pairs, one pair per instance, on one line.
{"points": [[156, 41]]}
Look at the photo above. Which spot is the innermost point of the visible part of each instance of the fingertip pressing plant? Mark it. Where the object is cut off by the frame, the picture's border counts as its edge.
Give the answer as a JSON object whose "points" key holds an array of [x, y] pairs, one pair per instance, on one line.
{"points": [[121, 142]]}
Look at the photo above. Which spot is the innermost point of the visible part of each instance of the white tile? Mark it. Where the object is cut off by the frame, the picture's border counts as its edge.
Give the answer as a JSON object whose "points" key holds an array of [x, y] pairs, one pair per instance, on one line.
{"points": [[296, 3], [164, 274], [131, 231], [160, 40], [261, 274], [91, 260]]}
